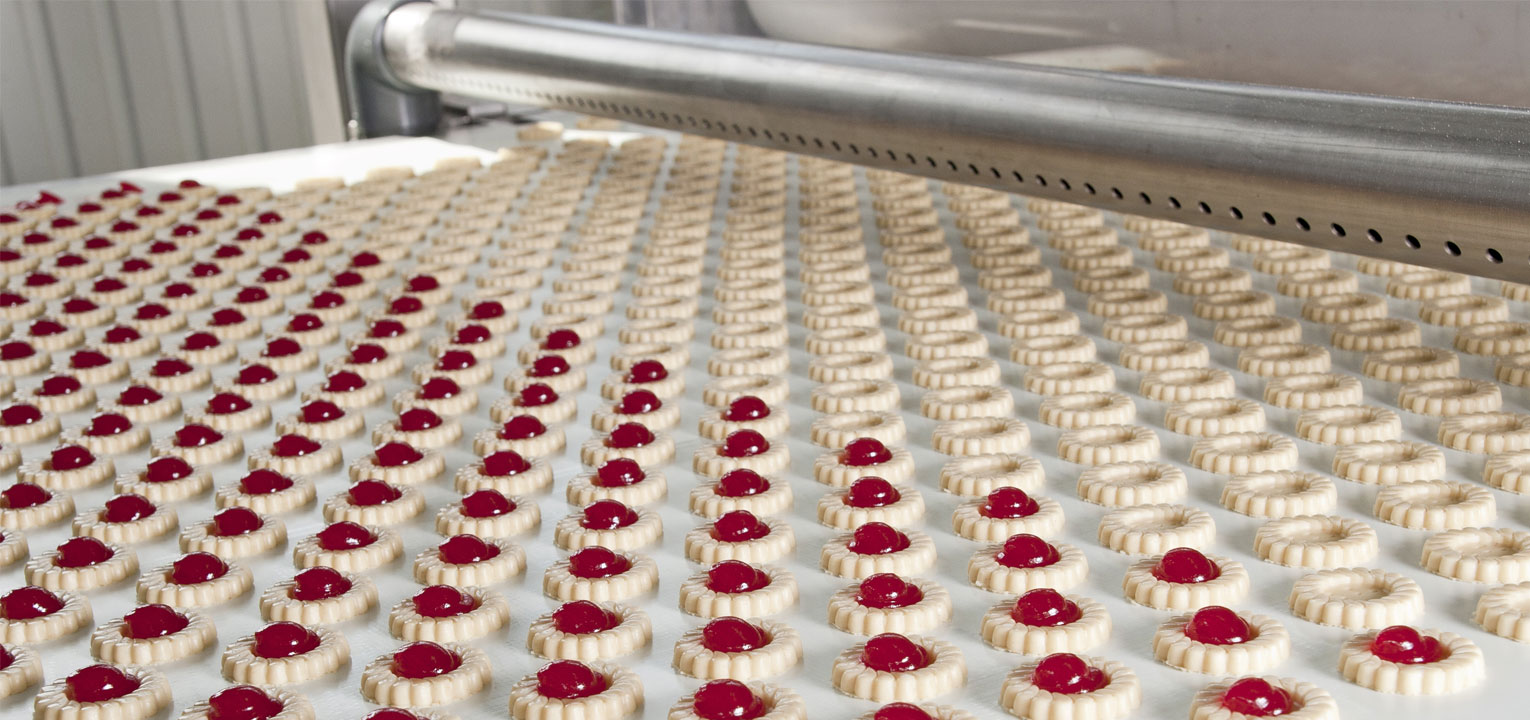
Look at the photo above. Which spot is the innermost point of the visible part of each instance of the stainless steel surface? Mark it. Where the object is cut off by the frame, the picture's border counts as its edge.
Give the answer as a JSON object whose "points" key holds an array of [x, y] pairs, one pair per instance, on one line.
{"points": [[1432, 183]]}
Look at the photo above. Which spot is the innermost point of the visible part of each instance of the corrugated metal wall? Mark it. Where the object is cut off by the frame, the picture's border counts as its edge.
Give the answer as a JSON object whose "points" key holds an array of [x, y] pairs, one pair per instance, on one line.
{"points": [[92, 86]]}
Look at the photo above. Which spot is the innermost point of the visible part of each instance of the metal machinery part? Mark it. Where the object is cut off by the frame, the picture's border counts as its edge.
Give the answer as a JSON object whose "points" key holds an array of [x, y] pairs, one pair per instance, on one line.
{"points": [[1438, 184]]}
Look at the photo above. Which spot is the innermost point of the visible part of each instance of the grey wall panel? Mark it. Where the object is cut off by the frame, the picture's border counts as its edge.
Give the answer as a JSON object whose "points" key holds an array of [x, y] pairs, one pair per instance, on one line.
{"points": [[33, 135], [221, 82], [164, 111], [94, 98], [283, 109]]}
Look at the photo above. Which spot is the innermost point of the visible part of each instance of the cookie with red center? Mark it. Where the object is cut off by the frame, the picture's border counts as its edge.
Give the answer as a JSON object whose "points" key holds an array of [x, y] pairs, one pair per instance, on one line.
{"points": [[284, 653], [522, 434], [126, 519], [505, 471], [267, 491], [734, 587], [460, 366], [1007, 511], [25, 505], [13, 546], [583, 630], [1219, 641], [745, 412], [619, 479], [398, 463], [108, 434], [446, 613], [488, 513], [349, 547], [609, 523], [231, 413], [441, 395], [228, 323], [861, 457], [1045, 621], [20, 668], [740, 489], [737, 649], [196, 579], [886, 602], [538, 400], [569, 688], [202, 347], [638, 406], [742, 449], [347, 389], [1407, 661], [1264, 696], [21, 357], [566, 343], [600, 574], [420, 427], [877, 548], [332, 307], [910, 711], [200, 444], [143, 403], [296, 455], [389, 334], [551, 370], [81, 563], [151, 635], [731, 699], [67, 467], [60, 394], [412, 311], [494, 314], [248, 702], [1185, 579], [24, 423], [287, 353], [318, 595], [374, 502], [740, 535], [107, 691], [322, 420], [423, 673], [234, 532], [470, 337], [50, 335], [91, 366], [32, 614], [470, 560], [1104, 689], [1026, 562], [870, 499], [650, 375], [892, 667]]}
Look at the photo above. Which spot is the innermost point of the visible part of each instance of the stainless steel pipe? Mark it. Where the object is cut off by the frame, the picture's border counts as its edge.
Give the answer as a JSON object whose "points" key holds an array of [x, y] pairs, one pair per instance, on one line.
{"points": [[1431, 183]]}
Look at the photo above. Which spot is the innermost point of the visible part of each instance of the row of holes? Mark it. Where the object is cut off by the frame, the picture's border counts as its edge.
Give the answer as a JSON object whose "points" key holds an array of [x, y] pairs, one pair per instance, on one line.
{"points": [[1338, 230]]}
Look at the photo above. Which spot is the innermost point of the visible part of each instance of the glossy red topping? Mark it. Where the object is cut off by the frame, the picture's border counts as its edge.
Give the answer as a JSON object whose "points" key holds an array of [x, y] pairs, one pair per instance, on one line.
{"points": [[191, 436], [108, 425], [295, 255], [875, 538], [568, 680], [742, 482], [139, 396], [417, 419], [255, 375], [1256, 697], [167, 469], [87, 359], [629, 435], [242, 702], [226, 316], [283, 640], [466, 550], [40, 279], [295, 446], [234, 521], [385, 328], [597, 562], [743, 443], [1027, 551], [730, 634], [77, 552], [439, 601], [343, 382], [150, 311], [77, 305], [106, 284], [607, 515], [16, 350], [182, 230], [405, 305], [29, 602], [536, 395], [891, 652], [582, 617], [170, 367], [207, 270], [153, 621], [197, 567], [1044, 607], [46, 328], [1067, 674], [638, 402], [522, 427], [1406, 646], [471, 335], [99, 683], [486, 503], [20, 414], [871, 492], [420, 660], [439, 388], [1186, 565], [862, 452], [251, 295], [645, 371], [126, 508], [344, 535], [248, 234], [618, 472], [727, 700], [503, 463], [901, 711], [736, 576], [70, 457], [738, 526], [886, 590], [421, 283], [1217, 625], [347, 279], [22, 495], [561, 339], [456, 360], [264, 481], [548, 366], [318, 583], [746, 408], [281, 347], [326, 300], [320, 411], [227, 200], [227, 404], [369, 493], [365, 259], [1008, 503], [121, 334], [487, 310], [314, 237], [304, 322]]}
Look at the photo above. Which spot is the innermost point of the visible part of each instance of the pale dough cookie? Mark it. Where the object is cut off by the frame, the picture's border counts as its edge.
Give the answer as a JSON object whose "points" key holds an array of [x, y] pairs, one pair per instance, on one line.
{"points": [[267, 491], [67, 467], [648, 448], [1357, 598], [197, 579], [27, 506], [469, 560], [966, 401], [1006, 511], [877, 548], [1436, 505], [81, 563], [608, 523], [1184, 579], [116, 693], [886, 602], [233, 533], [1243, 453], [739, 535], [1132, 483], [1151, 529], [488, 513], [570, 689], [836, 431], [850, 366], [1215, 416], [348, 547], [288, 705], [871, 499], [730, 698], [1089, 409], [48, 615], [584, 631], [1068, 377], [862, 457], [1044, 621], [13, 547], [373, 502], [1217, 641], [740, 490], [977, 475], [443, 614], [955, 371], [1280, 493], [851, 396], [1503, 611], [424, 674], [742, 450], [601, 575], [1349, 424], [722, 391], [1182, 384], [1064, 686], [1313, 390], [20, 668], [729, 647], [1026, 562], [1389, 462], [1107, 444], [1316, 541], [126, 519], [318, 596], [1437, 663], [736, 588], [897, 668], [1484, 555], [1444, 397], [1254, 697], [1488, 433], [152, 635], [980, 436], [506, 472], [399, 464], [1509, 472], [296, 455], [284, 653]]}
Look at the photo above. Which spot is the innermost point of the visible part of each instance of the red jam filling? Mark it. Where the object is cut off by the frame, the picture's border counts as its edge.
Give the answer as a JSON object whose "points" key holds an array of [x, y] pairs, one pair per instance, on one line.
{"points": [[863, 452], [320, 411], [561, 339], [420, 660], [281, 347], [18, 415], [386, 329], [738, 526], [1256, 697], [1217, 625], [126, 508], [727, 700], [607, 515], [732, 635], [255, 375], [318, 583], [418, 419], [23, 495], [108, 425], [170, 367], [151, 311], [736, 576], [87, 359], [290, 446], [742, 482], [304, 322], [471, 335], [536, 395], [503, 463], [29, 602], [343, 382], [232, 521], [871, 492], [618, 472], [1067, 674], [569, 680], [252, 294], [242, 702], [284, 640], [421, 283], [405, 305], [314, 237], [46, 328], [153, 621], [742, 444], [1044, 607], [59, 385], [596, 562], [1008, 503], [456, 360], [1027, 551], [344, 535], [396, 455], [121, 334], [582, 617], [16, 350], [886, 590], [439, 601], [326, 300], [646, 371], [264, 481], [78, 552], [638, 402], [98, 684], [486, 503], [891, 652], [226, 317], [522, 427], [466, 550], [167, 469], [746, 408], [487, 310], [439, 388], [70, 457], [370, 493], [901, 711], [193, 436], [548, 366], [1186, 565], [228, 404], [197, 567], [1406, 646], [875, 538]]}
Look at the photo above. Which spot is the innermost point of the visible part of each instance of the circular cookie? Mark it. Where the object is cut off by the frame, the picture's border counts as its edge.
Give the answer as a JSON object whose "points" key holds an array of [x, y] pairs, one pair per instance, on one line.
{"points": [[585, 631], [318, 596], [196, 579], [283, 653], [897, 668], [1026, 562], [423, 674], [443, 613], [1150, 529], [1254, 697], [1044, 621], [1406, 661], [737, 649], [1217, 641], [1185, 579], [877, 548], [571, 689], [103, 691], [1484, 555], [32, 614], [152, 635], [733, 587], [1064, 685], [1316, 541], [1357, 598]]}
